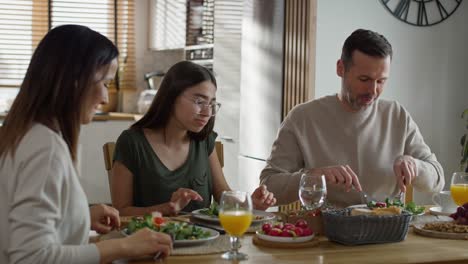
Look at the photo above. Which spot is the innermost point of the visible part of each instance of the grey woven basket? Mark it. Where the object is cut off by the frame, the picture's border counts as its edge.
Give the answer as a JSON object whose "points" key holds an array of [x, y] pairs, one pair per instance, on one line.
{"points": [[343, 228]]}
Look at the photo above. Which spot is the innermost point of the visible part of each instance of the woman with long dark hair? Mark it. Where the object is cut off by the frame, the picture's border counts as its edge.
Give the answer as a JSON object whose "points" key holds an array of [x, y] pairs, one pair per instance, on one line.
{"points": [[44, 214], [167, 161]]}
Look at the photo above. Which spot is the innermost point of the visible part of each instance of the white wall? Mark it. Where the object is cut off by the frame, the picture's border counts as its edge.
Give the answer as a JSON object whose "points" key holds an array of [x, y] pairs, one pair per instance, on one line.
{"points": [[93, 174], [428, 75]]}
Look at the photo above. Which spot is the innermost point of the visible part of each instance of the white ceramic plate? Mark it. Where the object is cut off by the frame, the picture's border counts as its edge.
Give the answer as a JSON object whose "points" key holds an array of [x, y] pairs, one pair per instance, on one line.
{"points": [[262, 215], [182, 243], [284, 239], [436, 210], [365, 206], [357, 206]]}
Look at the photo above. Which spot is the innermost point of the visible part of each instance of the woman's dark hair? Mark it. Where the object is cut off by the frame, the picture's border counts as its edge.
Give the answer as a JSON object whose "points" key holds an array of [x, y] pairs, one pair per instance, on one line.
{"points": [[57, 84], [179, 78], [368, 42]]}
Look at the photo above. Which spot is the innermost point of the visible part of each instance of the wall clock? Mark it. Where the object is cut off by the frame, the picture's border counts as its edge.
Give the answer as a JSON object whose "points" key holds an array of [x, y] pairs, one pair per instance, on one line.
{"points": [[422, 13]]}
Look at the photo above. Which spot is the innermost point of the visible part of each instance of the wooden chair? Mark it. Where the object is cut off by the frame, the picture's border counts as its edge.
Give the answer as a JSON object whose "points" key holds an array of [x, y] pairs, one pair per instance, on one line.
{"points": [[409, 194], [220, 152], [108, 150], [294, 206]]}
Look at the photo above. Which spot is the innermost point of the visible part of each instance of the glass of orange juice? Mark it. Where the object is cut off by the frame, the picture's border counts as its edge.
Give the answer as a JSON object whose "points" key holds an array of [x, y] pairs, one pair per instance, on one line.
{"points": [[459, 188], [235, 215]]}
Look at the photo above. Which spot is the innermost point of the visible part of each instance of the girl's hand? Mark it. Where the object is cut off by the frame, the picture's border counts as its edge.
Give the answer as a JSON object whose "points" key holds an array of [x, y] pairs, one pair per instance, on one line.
{"points": [[262, 198], [181, 198]]}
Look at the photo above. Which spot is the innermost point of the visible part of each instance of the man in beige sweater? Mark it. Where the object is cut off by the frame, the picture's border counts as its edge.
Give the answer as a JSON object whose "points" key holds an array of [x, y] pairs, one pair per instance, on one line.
{"points": [[358, 141]]}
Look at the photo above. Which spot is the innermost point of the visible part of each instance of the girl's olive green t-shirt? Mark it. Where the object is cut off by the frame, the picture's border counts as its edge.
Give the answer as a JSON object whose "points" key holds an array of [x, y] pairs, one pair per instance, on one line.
{"points": [[153, 182]]}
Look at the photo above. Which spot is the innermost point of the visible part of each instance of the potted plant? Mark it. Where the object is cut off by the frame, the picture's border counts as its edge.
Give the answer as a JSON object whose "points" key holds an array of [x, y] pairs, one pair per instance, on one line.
{"points": [[464, 143]]}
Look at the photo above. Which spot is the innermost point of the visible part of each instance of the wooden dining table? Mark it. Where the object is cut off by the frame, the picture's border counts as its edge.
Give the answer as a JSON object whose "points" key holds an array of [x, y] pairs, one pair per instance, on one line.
{"points": [[414, 249]]}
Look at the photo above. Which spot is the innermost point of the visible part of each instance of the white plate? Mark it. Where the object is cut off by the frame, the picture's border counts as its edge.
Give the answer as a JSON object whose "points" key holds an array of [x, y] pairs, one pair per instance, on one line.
{"points": [[436, 210], [265, 216], [285, 239], [365, 206], [213, 235], [357, 206]]}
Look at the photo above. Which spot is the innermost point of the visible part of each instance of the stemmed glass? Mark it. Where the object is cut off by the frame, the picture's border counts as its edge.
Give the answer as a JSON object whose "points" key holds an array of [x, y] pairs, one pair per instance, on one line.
{"points": [[312, 191], [459, 188], [235, 215]]}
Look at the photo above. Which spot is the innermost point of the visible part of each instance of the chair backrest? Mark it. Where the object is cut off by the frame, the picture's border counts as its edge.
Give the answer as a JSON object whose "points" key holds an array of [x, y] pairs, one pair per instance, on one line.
{"points": [[220, 152], [291, 207], [409, 194], [108, 150]]}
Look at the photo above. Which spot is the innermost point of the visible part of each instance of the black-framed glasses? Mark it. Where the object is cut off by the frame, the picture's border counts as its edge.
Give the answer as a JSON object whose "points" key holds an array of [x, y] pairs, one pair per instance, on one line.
{"points": [[202, 104]]}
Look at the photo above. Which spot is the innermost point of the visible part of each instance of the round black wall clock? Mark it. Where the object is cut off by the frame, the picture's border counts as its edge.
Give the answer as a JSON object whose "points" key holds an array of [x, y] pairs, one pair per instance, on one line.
{"points": [[422, 13]]}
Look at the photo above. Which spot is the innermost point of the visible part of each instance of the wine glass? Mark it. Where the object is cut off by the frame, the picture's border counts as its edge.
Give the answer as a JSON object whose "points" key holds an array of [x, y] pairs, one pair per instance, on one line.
{"points": [[312, 191], [235, 215], [459, 188]]}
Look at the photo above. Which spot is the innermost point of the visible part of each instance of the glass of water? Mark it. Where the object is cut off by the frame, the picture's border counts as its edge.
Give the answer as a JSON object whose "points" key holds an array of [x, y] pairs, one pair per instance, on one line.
{"points": [[312, 191]]}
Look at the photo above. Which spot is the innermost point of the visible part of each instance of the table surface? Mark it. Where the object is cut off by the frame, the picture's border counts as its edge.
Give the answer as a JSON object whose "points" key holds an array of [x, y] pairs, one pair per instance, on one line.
{"points": [[414, 249]]}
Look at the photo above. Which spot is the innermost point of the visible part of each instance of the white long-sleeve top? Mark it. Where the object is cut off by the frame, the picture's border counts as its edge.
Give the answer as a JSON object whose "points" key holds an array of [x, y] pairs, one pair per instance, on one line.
{"points": [[320, 133], [44, 214]]}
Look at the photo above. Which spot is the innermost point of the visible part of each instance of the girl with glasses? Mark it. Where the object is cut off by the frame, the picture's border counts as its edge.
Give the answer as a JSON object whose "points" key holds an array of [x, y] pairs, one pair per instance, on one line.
{"points": [[167, 161]]}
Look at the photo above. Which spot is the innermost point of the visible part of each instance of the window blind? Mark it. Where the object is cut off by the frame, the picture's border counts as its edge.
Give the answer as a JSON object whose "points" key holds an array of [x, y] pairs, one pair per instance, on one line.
{"points": [[23, 23]]}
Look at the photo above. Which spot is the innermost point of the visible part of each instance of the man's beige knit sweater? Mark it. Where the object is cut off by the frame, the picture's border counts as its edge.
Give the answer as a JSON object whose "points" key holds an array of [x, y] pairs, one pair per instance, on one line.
{"points": [[320, 133]]}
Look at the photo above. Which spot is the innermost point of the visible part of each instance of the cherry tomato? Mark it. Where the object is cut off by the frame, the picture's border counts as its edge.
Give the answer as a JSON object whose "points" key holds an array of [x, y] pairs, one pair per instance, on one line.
{"points": [[381, 204], [158, 221]]}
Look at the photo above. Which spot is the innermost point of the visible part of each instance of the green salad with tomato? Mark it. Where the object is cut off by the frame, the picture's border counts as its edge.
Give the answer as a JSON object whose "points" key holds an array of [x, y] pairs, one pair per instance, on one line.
{"points": [[410, 207], [177, 230]]}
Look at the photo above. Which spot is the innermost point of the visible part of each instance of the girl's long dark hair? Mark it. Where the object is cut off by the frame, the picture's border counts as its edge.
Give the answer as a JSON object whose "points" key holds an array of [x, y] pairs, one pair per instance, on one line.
{"points": [[180, 77], [57, 84]]}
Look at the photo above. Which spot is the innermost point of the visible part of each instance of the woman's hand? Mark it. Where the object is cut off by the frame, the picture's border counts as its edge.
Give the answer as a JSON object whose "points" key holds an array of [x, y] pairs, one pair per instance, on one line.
{"points": [[180, 199], [146, 242], [262, 198], [104, 218]]}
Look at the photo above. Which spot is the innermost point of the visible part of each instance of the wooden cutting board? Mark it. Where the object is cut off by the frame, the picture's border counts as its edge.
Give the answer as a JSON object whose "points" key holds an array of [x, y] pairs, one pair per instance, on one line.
{"points": [[418, 229], [264, 243]]}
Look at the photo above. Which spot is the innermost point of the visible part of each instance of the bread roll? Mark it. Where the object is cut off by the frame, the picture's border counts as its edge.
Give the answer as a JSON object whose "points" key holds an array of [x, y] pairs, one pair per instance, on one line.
{"points": [[392, 210]]}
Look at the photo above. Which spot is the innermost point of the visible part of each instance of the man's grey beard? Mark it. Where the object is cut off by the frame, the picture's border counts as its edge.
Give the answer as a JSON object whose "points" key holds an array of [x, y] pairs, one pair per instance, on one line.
{"points": [[352, 102]]}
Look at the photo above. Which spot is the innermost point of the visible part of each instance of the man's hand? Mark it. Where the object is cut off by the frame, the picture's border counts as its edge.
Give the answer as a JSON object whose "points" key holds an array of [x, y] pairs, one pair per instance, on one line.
{"points": [[262, 198], [339, 174], [405, 171], [104, 218]]}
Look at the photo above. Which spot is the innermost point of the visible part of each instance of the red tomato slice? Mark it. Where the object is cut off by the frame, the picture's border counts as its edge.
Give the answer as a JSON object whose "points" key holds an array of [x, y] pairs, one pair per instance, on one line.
{"points": [[158, 221]]}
